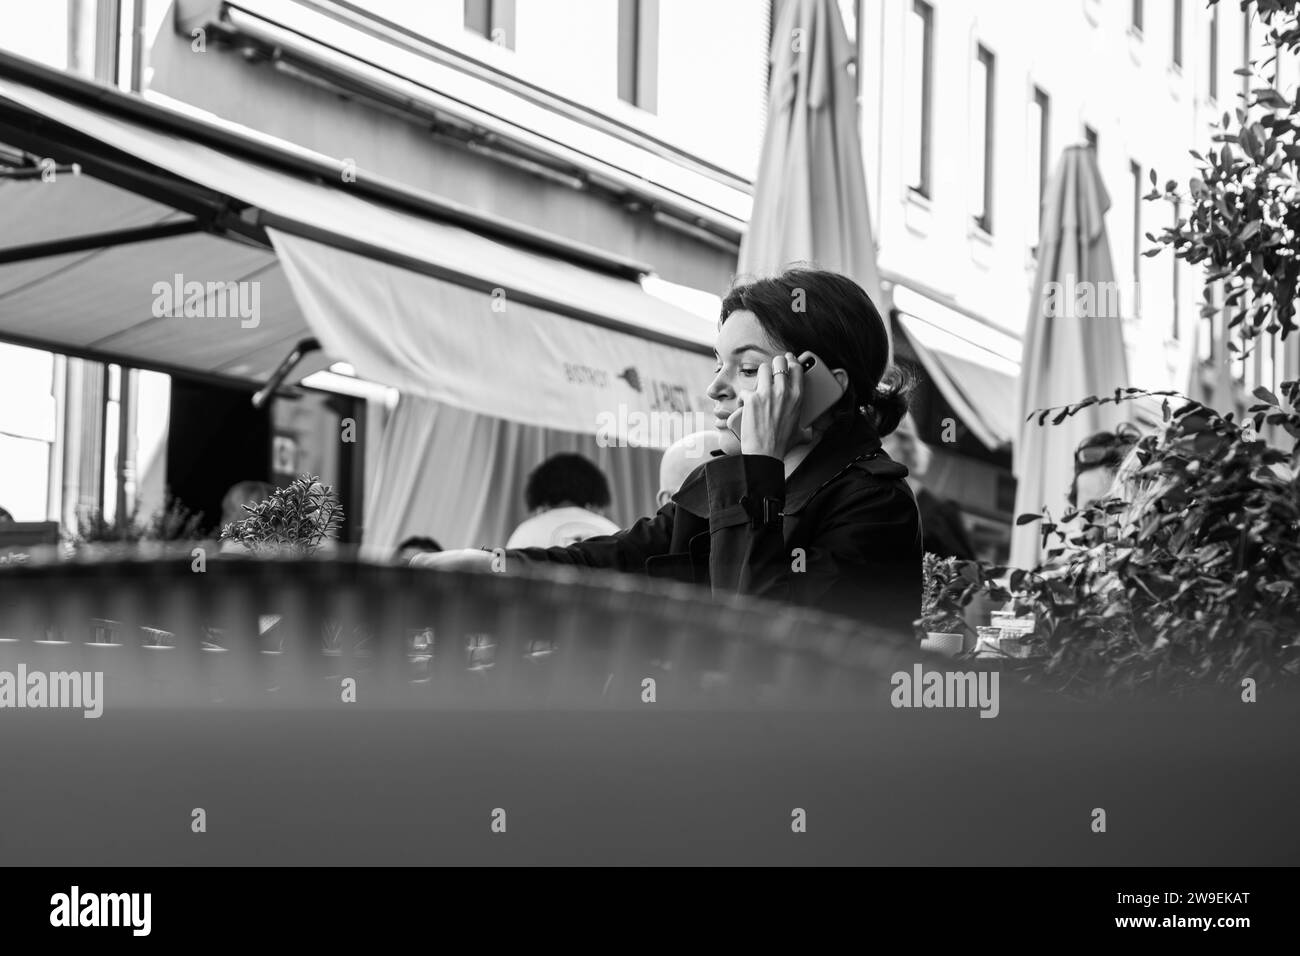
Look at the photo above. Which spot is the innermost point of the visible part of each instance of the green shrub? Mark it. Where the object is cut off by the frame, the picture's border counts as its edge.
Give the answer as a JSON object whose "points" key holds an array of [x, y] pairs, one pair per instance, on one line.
{"points": [[172, 522], [296, 519], [1190, 577]]}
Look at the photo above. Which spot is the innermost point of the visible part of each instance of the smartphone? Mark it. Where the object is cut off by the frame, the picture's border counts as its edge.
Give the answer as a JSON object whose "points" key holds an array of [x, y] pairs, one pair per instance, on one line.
{"points": [[821, 390]]}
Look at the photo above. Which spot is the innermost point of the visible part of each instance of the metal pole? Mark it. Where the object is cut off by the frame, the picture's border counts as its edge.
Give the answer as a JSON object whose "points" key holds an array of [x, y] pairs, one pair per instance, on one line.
{"points": [[137, 47], [108, 32]]}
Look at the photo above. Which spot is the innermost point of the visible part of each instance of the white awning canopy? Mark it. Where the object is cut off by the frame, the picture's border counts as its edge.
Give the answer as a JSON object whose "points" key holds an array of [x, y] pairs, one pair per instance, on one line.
{"points": [[974, 366], [489, 354], [100, 301], [89, 264]]}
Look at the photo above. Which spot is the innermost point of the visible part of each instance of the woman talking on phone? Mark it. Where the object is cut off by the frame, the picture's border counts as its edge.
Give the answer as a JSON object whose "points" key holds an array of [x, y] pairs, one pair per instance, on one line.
{"points": [[801, 504]]}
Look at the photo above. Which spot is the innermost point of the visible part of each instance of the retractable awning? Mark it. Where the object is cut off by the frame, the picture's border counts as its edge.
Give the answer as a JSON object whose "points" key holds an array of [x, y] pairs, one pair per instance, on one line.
{"points": [[90, 264], [973, 365], [98, 299]]}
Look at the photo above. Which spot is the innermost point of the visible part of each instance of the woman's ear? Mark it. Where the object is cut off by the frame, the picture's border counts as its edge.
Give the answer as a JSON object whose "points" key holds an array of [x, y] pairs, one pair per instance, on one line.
{"points": [[841, 376]]}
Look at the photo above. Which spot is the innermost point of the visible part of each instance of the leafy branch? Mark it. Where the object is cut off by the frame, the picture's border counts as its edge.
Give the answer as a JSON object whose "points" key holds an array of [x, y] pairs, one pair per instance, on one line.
{"points": [[296, 519], [1188, 575], [1243, 205]]}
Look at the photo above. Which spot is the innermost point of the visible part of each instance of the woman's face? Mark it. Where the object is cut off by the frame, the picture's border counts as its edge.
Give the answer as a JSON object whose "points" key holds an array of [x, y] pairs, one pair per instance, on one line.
{"points": [[741, 347], [1094, 484]]}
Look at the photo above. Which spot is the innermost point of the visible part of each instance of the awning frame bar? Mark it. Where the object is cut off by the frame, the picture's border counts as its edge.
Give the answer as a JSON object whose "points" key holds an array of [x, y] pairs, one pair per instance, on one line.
{"points": [[111, 358], [386, 192], [117, 168], [98, 240]]}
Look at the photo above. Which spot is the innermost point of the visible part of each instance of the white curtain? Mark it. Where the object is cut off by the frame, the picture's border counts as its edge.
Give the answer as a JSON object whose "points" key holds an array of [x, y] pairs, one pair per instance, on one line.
{"points": [[458, 476]]}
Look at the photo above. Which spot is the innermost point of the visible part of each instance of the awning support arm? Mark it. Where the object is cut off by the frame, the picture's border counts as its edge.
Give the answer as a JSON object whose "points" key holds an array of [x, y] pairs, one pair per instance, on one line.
{"points": [[98, 240], [282, 371]]}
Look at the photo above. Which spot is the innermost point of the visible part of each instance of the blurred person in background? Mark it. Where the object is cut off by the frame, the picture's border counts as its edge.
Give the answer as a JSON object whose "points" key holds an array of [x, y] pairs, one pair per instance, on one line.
{"points": [[232, 508], [814, 514], [416, 544], [683, 457], [242, 493], [1096, 463], [567, 496], [942, 529]]}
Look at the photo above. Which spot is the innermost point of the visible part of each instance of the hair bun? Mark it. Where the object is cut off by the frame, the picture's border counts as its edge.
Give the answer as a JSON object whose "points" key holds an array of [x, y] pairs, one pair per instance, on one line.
{"points": [[890, 403]]}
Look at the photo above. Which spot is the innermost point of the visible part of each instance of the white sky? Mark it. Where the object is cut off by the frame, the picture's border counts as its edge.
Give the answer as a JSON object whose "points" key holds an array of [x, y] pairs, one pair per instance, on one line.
{"points": [[38, 30]]}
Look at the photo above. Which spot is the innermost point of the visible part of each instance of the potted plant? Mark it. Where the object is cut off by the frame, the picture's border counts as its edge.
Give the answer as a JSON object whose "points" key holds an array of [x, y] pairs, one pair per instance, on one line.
{"points": [[293, 521], [128, 534], [1186, 579], [948, 587]]}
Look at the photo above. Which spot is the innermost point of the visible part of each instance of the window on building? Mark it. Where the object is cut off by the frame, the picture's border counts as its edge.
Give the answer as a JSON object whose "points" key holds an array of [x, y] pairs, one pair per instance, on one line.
{"points": [[493, 19], [1268, 374], [1178, 33], [1245, 50], [769, 11], [982, 100], [1250, 364], [638, 52], [1135, 175], [850, 14], [1242, 366], [1038, 137], [918, 90], [1214, 52], [1137, 15], [1205, 327], [1174, 272]]}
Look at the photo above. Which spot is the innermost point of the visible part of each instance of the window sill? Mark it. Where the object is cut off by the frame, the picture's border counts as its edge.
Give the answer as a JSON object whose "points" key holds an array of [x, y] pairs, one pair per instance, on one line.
{"points": [[981, 245], [1175, 77], [477, 41], [1135, 45], [916, 211]]}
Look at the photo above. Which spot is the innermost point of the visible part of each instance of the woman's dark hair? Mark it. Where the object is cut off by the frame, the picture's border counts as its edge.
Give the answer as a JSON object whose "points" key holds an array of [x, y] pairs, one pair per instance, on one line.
{"points": [[810, 310], [566, 477]]}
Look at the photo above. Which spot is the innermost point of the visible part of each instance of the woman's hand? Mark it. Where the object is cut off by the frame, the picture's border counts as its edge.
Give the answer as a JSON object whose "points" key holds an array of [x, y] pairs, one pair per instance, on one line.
{"points": [[462, 559], [770, 423]]}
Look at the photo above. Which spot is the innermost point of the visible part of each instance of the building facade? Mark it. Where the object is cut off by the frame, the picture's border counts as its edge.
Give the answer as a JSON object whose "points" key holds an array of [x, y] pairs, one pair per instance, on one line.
{"points": [[967, 106], [633, 127]]}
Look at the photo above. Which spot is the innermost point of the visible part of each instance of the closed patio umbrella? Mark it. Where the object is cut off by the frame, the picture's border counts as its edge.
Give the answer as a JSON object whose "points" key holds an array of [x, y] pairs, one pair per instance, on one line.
{"points": [[1073, 345], [810, 200]]}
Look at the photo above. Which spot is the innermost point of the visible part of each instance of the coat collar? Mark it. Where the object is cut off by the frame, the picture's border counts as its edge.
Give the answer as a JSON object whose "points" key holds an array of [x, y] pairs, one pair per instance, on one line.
{"points": [[837, 449]]}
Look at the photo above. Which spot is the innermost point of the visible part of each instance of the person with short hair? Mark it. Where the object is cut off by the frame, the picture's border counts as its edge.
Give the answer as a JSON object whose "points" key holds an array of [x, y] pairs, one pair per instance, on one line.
{"points": [[415, 544], [566, 495], [942, 528], [239, 494]]}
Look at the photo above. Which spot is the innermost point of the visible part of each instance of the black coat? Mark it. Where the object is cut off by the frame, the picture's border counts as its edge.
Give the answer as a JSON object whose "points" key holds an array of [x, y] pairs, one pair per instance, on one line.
{"points": [[842, 534]]}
